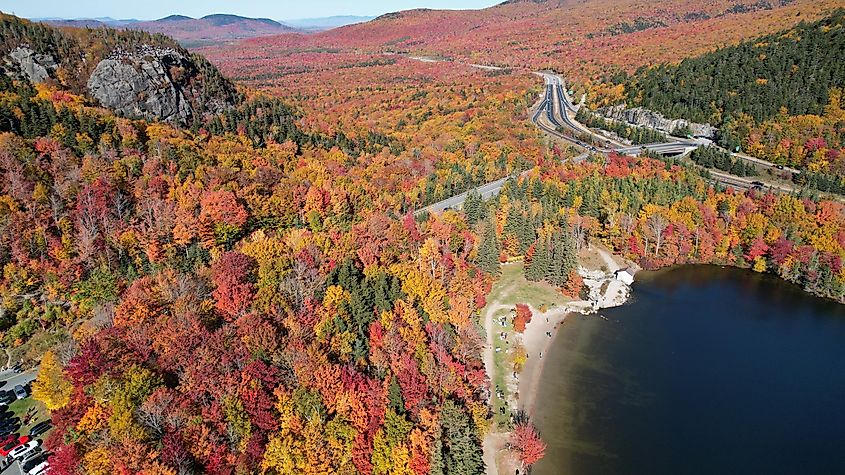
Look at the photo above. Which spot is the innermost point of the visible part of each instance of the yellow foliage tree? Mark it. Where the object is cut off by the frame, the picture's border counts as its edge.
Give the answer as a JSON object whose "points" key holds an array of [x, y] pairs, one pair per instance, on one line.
{"points": [[97, 462], [759, 264], [51, 387]]}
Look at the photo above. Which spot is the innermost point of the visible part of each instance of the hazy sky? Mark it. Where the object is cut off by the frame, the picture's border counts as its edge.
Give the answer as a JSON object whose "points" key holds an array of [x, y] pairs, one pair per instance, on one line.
{"points": [[275, 9]]}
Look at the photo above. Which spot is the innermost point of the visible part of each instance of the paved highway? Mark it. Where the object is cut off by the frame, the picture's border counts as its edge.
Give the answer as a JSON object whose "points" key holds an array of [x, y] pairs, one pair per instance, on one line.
{"points": [[765, 163], [558, 108], [562, 107], [456, 202], [9, 379], [553, 113], [679, 146]]}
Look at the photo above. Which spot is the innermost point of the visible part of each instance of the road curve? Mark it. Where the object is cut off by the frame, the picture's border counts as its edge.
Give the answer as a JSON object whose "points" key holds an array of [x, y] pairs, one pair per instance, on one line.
{"points": [[545, 117]]}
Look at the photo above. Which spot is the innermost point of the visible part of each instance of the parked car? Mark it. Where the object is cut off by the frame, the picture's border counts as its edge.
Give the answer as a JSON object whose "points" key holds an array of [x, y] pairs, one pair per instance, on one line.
{"points": [[32, 462], [6, 396], [10, 422], [13, 444], [9, 430], [40, 428], [5, 414], [31, 459], [8, 438], [23, 449], [20, 392], [40, 469], [4, 431]]}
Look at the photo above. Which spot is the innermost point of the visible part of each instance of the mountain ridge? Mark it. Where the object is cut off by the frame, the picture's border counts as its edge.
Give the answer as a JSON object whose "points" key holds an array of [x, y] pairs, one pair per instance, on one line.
{"points": [[578, 38], [190, 32]]}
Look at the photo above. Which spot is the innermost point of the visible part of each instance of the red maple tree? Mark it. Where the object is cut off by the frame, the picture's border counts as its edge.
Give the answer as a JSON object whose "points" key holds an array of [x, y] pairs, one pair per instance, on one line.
{"points": [[527, 443]]}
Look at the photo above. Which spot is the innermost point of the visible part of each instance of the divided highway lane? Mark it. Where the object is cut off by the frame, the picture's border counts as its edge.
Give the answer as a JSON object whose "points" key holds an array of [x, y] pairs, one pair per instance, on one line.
{"points": [[765, 163], [456, 202], [546, 112]]}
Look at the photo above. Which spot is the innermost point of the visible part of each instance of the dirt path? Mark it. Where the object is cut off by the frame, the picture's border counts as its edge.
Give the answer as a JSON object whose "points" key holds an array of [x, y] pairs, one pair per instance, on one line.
{"points": [[536, 340], [612, 265], [492, 442]]}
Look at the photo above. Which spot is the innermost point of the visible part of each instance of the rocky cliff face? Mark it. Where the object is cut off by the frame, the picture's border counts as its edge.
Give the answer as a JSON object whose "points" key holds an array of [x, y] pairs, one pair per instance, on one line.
{"points": [[647, 118], [27, 64], [133, 73], [147, 84]]}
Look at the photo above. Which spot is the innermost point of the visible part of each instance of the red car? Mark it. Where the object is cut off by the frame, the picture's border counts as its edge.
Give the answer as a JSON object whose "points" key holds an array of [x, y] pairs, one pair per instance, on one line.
{"points": [[8, 438], [12, 444]]}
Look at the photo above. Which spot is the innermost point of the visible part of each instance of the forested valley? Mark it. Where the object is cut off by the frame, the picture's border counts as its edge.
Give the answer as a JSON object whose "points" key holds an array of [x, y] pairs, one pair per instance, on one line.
{"points": [[254, 291]]}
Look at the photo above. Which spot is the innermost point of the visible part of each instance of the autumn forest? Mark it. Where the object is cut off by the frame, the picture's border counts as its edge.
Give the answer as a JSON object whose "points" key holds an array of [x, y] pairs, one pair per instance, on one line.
{"points": [[249, 289]]}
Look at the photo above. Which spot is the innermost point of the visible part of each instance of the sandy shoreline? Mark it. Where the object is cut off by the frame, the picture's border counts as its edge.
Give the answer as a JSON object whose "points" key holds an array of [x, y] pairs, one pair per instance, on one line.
{"points": [[605, 291], [537, 342]]}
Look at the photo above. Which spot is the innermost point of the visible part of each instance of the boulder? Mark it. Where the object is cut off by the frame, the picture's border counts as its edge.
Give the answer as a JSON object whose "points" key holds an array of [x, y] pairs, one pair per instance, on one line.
{"points": [[140, 85], [647, 118], [30, 65]]}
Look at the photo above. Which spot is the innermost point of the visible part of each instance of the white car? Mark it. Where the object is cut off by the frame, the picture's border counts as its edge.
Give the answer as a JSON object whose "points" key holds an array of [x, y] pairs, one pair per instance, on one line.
{"points": [[40, 469], [23, 450]]}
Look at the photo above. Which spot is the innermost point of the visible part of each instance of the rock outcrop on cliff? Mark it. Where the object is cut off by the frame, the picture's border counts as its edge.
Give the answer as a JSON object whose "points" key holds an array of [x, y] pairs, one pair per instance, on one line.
{"points": [[135, 74], [27, 64], [151, 83], [646, 118]]}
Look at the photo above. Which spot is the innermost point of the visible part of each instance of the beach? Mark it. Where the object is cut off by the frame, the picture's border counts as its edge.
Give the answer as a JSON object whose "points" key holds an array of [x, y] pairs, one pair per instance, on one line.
{"points": [[604, 290]]}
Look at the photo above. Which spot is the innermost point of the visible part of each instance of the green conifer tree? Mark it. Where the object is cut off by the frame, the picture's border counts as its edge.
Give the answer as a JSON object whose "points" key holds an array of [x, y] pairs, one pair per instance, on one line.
{"points": [[489, 250]]}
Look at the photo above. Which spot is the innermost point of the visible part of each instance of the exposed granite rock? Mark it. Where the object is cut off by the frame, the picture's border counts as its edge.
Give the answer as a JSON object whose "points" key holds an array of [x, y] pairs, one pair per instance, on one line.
{"points": [[30, 65], [141, 84], [647, 118]]}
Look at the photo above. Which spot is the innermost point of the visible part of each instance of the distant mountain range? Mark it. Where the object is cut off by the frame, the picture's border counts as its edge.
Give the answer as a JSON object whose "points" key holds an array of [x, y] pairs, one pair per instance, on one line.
{"points": [[211, 29], [96, 22], [326, 23]]}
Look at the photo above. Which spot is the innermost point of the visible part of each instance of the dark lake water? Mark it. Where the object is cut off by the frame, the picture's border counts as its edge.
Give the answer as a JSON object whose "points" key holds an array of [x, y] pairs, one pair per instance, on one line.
{"points": [[705, 371]]}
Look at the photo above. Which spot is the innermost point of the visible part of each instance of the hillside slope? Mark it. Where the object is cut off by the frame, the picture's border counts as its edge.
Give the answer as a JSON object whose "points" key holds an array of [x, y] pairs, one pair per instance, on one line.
{"points": [[579, 38], [793, 68], [777, 96]]}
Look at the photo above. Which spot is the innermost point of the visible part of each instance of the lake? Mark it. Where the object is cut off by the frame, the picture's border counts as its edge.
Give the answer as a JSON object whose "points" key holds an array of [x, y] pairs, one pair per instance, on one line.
{"points": [[706, 370]]}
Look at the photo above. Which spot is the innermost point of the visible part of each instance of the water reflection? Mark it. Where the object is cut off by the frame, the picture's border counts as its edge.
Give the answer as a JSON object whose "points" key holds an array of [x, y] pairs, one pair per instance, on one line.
{"points": [[707, 370]]}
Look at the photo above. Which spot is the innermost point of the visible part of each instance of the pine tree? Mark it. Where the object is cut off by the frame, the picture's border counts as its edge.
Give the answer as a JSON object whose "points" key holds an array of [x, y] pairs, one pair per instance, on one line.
{"points": [[473, 207], [488, 252], [562, 258], [436, 462], [462, 449], [536, 270], [526, 234]]}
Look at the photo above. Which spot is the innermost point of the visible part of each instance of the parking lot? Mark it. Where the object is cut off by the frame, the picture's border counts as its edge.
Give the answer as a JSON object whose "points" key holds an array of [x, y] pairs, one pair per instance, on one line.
{"points": [[8, 380]]}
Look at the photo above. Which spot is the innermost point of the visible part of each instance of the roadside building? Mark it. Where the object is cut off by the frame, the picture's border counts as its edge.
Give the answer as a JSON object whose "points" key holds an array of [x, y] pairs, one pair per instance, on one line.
{"points": [[626, 276]]}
